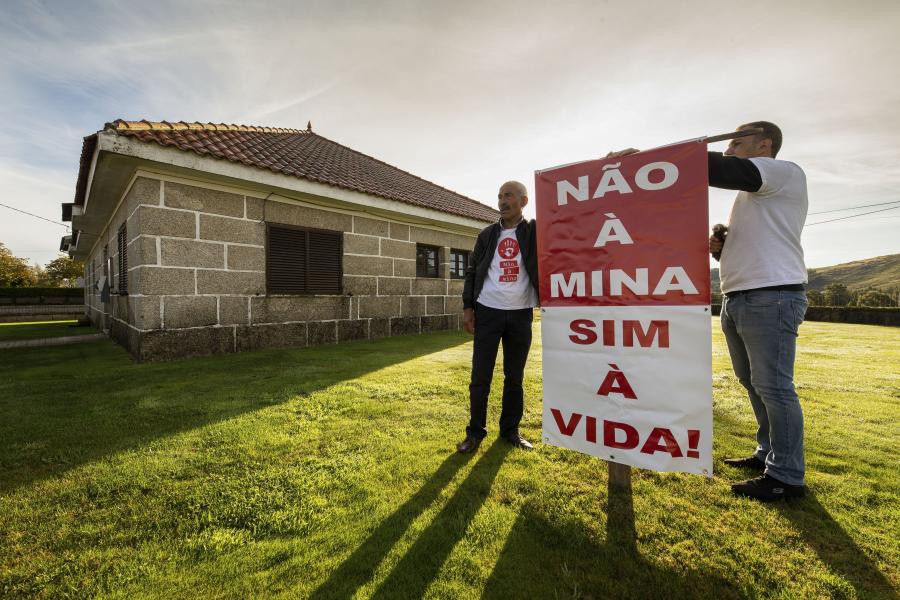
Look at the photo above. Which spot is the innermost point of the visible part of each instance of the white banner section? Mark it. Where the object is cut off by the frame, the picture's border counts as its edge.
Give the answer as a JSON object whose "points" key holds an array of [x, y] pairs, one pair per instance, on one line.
{"points": [[630, 384]]}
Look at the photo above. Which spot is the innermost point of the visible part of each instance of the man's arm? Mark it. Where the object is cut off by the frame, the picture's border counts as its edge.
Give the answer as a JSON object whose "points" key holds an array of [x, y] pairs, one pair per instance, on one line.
{"points": [[733, 173], [469, 286], [728, 172]]}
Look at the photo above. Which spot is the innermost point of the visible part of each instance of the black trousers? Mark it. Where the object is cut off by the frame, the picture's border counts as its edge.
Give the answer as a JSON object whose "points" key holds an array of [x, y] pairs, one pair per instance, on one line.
{"points": [[492, 326]]}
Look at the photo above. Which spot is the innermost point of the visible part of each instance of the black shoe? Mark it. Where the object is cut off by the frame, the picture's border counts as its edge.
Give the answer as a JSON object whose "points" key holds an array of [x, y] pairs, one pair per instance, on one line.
{"points": [[751, 462], [468, 445], [519, 442], [767, 489]]}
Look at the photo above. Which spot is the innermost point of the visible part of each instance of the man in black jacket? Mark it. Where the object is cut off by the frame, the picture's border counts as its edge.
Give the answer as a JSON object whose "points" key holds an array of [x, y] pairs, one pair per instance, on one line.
{"points": [[501, 291]]}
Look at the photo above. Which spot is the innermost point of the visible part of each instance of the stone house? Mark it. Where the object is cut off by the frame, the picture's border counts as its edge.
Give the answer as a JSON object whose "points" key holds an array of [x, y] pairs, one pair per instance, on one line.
{"points": [[204, 239]]}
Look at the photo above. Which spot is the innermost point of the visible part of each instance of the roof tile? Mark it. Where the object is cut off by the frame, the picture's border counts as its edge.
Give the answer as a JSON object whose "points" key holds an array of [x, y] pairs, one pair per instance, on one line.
{"points": [[302, 154]]}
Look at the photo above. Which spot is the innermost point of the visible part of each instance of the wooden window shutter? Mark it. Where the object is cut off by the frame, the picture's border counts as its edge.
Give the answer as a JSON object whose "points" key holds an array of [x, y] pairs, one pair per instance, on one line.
{"points": [[324, 272], [303, 261]]}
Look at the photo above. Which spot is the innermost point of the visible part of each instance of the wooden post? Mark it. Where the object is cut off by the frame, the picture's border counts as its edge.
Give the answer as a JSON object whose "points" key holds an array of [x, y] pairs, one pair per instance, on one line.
{"points": [[620, 528], [619, 477]]}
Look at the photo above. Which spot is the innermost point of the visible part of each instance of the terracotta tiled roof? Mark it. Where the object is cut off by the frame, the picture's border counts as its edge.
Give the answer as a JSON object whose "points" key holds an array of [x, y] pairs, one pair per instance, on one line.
{"points": [[306, 155]]}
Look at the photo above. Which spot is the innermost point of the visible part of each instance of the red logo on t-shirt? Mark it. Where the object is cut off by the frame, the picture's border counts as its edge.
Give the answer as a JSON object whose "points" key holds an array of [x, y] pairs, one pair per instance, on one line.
{"points": [[508, 248]]}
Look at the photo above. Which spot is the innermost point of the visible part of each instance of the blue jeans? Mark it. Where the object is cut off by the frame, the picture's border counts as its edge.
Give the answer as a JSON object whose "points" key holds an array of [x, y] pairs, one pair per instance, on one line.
{"points": [[761, 330]]}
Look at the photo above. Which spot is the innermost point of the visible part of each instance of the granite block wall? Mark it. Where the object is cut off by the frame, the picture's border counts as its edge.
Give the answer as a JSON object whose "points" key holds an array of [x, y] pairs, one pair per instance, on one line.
{"points": [[197, 276]]}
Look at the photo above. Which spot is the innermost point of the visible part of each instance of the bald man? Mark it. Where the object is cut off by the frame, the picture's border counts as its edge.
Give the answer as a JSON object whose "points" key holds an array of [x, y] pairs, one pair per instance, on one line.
{"points": [[499, 298]]}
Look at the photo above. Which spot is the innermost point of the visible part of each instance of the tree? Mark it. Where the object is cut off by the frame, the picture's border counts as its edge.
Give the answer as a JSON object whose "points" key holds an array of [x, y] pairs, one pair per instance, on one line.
{"points": [[62, 271], [873, 297], [815, 298], [14, 271], [39, 276], [836, 294]]}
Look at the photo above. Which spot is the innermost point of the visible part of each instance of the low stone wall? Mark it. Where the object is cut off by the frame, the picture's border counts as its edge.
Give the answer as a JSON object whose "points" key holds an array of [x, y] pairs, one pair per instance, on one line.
{"points": [[207, 341], [40, 312]]}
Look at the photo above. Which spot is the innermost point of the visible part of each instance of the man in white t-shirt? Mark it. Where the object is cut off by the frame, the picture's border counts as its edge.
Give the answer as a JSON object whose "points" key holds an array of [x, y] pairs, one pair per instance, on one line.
{"points": [[499, 297], [763, 281], [763, 277]]}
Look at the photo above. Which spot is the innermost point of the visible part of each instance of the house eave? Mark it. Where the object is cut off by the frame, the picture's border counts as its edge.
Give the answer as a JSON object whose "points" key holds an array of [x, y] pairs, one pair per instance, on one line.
{"points": [[262, 179]]}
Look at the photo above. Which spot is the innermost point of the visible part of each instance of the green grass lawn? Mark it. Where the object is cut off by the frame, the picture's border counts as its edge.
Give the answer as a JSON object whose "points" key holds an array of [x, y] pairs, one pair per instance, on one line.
{"points": [[330, 473], [41, 329]]}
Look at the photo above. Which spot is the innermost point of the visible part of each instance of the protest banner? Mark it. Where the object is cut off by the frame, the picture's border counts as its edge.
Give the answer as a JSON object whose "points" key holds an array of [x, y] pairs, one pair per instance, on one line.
{"points": [[625, 308]]}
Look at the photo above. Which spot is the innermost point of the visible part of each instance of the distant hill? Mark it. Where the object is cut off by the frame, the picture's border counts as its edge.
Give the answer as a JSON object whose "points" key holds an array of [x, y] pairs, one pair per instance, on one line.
{"points": [[879, 272]]}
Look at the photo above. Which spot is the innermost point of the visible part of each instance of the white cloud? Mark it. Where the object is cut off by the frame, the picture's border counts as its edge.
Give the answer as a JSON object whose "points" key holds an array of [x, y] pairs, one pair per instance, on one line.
{"points": [[469, 94]]}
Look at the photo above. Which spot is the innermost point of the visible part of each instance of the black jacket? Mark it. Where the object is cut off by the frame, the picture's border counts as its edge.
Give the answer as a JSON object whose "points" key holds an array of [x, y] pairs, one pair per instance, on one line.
{"points": [[486, 245]]}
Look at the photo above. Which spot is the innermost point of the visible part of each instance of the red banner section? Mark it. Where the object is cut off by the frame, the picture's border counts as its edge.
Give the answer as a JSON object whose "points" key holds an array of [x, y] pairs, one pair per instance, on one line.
{"points": [[625, 231]]}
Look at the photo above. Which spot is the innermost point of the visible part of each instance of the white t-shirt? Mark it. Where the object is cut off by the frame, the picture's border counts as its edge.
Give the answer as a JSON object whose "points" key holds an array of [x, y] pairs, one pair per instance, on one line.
{"points": [[507, 286], [763, 244]]}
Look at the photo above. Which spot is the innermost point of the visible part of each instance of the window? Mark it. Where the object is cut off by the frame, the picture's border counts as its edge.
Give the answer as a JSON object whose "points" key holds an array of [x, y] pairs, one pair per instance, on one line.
{"points": [[426, 261], [122, 246], [303, 261], [458, 261]]}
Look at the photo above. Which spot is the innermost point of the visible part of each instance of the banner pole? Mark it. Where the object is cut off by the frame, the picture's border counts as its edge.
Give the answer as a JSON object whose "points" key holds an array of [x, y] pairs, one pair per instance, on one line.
{"points": [[734, 134]]}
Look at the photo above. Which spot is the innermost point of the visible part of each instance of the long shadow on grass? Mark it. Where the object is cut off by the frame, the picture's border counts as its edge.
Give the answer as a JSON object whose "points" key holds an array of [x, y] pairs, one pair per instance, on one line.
{"points": [[415, 571], [360, 566], [620, 530], [66, 406], [418, 568], [837, 549], [558, 558]]}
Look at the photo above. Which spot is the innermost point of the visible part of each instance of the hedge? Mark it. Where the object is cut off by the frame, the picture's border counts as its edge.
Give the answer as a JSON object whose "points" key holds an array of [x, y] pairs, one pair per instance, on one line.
{"points": [[866, 315], [41, 295]]}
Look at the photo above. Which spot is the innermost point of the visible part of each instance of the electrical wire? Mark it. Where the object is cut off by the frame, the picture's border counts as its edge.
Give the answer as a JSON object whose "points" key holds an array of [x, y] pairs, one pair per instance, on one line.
{"points": [[33, 215], [822, 212], [853, 216]]}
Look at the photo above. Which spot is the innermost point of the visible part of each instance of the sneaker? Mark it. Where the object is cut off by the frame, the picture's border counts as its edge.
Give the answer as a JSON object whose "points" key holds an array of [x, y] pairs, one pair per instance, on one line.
{"points": [[751, 462], [468, 445], [519, 442], [767, 489]]}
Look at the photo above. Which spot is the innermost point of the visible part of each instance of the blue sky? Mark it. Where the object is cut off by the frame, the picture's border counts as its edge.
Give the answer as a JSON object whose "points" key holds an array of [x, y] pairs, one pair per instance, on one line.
{"points": [[466, 94]]}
